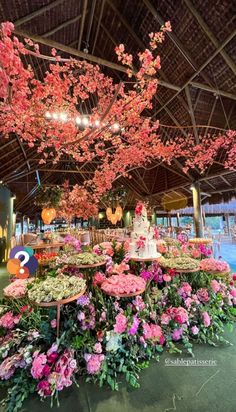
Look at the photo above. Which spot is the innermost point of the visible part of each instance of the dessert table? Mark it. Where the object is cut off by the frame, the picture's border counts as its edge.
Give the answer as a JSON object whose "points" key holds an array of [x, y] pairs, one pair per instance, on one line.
{"points": [[43, 245]]}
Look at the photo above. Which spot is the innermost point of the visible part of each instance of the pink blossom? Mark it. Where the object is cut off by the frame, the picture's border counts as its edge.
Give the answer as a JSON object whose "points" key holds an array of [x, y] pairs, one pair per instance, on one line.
{"points": [[94, 363], [233, 292], [206, 319], [44, 388], [98, 278], [121, 323], [9, 321], [194, 330], [215, 285], [185, 290]]}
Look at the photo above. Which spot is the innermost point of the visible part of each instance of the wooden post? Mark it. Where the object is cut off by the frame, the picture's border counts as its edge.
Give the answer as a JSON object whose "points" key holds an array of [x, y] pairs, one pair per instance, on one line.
{"points": [[197, 216], [177, 217], [227, 223]]}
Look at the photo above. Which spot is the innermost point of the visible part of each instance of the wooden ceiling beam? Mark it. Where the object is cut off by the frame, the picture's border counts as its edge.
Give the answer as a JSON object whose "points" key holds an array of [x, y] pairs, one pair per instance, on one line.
{"points": [[37, 13], [210, 89], [191, 112], [205, 64], [226, 181], [230, 63], [171, 35], [62, 26], [99, 20], [210, 117], [102, 62], [82, 24]]}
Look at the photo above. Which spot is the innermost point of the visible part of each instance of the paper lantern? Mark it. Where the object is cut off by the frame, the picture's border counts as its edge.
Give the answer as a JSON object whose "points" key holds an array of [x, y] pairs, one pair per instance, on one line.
{"points": [[48, 214], [109, 212], [119, 212], [113, 219]]}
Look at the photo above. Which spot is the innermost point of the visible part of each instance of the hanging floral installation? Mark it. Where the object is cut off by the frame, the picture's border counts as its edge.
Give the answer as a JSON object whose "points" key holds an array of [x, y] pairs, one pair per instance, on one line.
{"points": [[53, 114], [76, 202]]}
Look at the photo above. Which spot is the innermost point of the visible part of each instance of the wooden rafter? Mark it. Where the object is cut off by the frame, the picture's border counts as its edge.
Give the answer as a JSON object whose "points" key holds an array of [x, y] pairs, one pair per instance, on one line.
{"points": [[99, 20], [205, 64], [102, 62], [210, 35], [62, 26], [82, 23], [37, 13], [191, 112]]}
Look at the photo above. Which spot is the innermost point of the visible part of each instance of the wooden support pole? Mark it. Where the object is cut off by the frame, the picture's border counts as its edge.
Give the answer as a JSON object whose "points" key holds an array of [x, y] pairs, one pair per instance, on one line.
{"points": [[197, 217]]}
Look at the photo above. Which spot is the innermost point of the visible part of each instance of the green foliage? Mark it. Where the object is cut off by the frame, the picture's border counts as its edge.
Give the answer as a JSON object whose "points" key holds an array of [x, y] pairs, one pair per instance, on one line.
{"points": [[48, 196]]}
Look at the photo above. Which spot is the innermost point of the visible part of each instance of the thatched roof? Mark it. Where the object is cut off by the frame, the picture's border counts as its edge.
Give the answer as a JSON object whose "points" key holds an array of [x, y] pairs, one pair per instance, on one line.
{"points": [[197, 83]]}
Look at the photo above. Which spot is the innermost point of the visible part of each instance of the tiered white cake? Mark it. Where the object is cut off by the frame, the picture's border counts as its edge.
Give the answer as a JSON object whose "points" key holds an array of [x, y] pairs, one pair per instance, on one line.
{"points": [[142, 245]]}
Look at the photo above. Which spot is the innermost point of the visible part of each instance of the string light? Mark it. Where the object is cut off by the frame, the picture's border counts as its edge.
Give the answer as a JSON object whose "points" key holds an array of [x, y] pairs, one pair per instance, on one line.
{"points": [[82, 121]]}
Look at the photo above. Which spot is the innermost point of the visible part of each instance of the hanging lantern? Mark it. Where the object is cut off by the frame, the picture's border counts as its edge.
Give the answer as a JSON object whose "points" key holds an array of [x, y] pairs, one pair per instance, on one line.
{"points": [[119, 212], [109, 212], [113, 219], [48, 214]]}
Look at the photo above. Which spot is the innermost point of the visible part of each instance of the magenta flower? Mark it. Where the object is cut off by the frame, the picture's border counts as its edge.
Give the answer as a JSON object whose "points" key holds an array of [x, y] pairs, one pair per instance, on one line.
{"points": [[94, 363], [134, 326], [177, 334]]}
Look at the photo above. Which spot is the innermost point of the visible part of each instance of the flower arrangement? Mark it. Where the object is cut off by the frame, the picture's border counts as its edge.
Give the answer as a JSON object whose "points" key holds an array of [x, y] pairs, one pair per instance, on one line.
{"points": [[200, 241], [79, 259], [123, 284], [179, 263], [214, 265], [72, 244], [46, 257], [54, 289], [17, 289]]}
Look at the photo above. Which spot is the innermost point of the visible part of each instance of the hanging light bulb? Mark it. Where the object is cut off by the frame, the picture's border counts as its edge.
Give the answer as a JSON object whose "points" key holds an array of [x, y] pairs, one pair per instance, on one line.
{"points": [[55, 116], [85, 121], [113, 219], [119, 212], [97, 123], [63, 116], [78, 120], [108, 213], [48, 115], [115, 127]]}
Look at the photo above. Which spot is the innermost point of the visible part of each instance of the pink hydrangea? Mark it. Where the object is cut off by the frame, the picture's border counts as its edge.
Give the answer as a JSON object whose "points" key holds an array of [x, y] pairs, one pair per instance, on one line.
{"points": [[215, 285], [94, 363], [121, 323], [9, 321], [206, 319], [17, 289]]}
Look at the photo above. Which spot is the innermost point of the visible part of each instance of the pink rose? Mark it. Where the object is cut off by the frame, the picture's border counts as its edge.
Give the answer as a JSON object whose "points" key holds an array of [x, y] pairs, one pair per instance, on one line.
{"points": [[53, 323]]}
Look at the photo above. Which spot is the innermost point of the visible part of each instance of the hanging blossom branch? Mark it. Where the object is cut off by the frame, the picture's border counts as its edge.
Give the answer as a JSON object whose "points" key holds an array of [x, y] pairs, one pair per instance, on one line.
{"points": [[69, 87]]}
